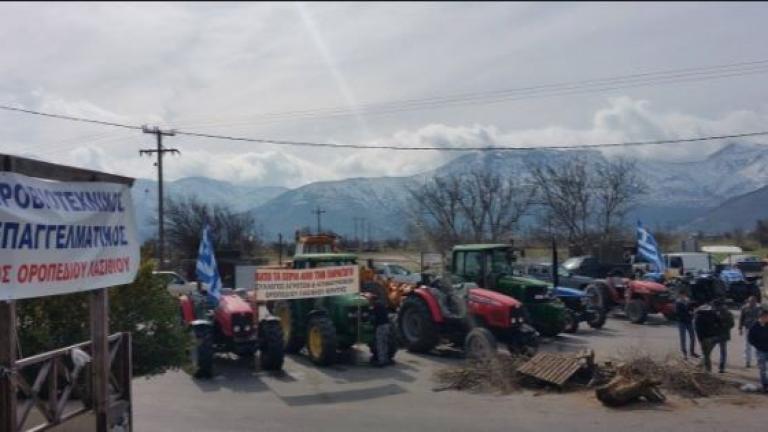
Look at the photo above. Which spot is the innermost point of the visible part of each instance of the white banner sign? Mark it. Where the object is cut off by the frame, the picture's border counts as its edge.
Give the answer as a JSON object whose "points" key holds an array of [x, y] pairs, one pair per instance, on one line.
{"points": [[284, 284], [63, 237]]}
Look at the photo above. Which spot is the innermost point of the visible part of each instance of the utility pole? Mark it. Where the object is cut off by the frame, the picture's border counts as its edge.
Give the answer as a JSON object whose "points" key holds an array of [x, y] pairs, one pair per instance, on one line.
{"points": [[318, 211], [159, 164], [280, 249]]}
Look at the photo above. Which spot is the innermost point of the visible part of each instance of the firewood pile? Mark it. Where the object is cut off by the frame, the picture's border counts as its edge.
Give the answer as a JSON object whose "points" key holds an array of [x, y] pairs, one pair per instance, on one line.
{"points": [[635, 377]]}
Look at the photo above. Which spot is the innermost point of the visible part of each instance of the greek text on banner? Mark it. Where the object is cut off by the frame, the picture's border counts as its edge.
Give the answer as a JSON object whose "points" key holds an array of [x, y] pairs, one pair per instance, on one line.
{"points": [[63, 237], [286, 284]]}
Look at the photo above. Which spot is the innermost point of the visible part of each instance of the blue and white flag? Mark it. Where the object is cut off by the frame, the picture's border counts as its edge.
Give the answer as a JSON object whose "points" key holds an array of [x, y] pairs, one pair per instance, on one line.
{"points": [[207, 271], [649, 249]]}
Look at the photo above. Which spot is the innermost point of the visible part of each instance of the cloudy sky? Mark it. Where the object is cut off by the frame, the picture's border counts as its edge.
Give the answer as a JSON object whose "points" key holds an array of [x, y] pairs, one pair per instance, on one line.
{"points": [[316, 72]]}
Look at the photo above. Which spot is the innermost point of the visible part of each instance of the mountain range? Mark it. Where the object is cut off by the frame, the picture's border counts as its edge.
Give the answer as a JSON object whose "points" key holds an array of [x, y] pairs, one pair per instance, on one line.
{"points": [[702, 194]]}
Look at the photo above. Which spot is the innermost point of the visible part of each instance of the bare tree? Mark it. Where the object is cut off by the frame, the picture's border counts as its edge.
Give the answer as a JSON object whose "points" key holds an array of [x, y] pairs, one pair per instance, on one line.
{"points": [[186, 217], [481, 206], [585, 201], [616, 188]]}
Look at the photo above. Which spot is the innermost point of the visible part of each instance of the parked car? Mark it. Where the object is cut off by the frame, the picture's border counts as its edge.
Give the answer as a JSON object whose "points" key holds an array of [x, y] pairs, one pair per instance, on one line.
{"points": [[592, 267], [176, 283], [396, 272]]}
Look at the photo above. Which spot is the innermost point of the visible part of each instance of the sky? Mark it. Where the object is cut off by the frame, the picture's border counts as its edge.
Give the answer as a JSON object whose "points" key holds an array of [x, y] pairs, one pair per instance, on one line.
{"points": [[263, 70]]}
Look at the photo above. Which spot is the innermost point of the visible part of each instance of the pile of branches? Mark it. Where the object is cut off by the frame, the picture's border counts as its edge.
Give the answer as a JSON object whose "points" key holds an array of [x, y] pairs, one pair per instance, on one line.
{"points": [[674, 375], [496, 373]]}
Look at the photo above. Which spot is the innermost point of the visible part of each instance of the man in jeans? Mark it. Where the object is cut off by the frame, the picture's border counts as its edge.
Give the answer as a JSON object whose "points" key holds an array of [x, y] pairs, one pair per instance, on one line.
{"points": [[758, 338], [713, 323], [683, 309], [748, 317]]}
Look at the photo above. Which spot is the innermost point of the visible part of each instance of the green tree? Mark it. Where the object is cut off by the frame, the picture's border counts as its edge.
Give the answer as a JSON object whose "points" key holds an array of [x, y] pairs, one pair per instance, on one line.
{"points": [[144, 308]]}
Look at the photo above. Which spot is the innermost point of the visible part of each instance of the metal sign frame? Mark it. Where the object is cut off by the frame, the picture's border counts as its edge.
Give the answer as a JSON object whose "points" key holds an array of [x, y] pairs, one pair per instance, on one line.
{"points": [[100, 352]]}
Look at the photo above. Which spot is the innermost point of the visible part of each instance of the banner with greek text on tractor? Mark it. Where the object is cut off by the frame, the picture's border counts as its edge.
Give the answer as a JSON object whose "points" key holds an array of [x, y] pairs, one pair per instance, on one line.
{"points": [[286, 284], [63, 237]]}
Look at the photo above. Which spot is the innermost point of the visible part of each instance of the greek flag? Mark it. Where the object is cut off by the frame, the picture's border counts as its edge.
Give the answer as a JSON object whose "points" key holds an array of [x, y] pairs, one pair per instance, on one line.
{"points": [[648, 249], [207, 271]]}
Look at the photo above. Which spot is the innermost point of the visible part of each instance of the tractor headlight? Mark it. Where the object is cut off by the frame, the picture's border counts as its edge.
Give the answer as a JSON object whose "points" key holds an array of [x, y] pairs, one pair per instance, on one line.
{"points": [[236, 329], [247, 328]]}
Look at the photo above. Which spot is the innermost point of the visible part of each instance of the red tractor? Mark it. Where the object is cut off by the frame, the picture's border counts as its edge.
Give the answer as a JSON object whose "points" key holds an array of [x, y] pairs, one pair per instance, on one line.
{"points": [[233, 326], [637, 298], [466, 316]]}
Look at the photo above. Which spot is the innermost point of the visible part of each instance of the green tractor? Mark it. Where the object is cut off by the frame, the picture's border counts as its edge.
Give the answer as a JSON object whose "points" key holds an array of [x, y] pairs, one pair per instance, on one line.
{"points": [[326, 325], [490, 266]]}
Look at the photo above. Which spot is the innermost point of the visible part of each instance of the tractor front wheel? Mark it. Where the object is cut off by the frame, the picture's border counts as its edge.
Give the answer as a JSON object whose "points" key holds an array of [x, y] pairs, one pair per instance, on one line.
{"points": [[321, 340], [271, 353], [636, 311], [598, 319], [571, 322], [417, 329], [480, 344], [293, 339]]}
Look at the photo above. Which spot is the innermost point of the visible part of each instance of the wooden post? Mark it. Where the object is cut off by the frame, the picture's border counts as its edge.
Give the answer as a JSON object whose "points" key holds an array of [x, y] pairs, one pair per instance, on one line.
{"points": [[100, 357], [7, 366]]}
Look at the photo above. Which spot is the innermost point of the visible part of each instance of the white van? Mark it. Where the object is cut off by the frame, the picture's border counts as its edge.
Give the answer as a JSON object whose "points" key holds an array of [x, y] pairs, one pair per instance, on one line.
{"points": [[689, 262]]}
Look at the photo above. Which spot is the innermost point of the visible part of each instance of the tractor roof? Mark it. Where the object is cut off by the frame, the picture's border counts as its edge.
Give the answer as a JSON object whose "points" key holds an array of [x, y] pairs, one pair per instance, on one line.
{"points": [[474, 247], [325, 257]]}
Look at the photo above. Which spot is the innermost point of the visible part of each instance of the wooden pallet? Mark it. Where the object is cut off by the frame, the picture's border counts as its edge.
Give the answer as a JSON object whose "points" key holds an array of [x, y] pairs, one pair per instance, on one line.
{"points": [[557, 368]]}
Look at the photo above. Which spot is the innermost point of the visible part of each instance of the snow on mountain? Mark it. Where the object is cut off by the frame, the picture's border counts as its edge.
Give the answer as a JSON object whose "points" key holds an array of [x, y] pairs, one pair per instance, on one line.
{"points": [[239, 198], [678, 192]]}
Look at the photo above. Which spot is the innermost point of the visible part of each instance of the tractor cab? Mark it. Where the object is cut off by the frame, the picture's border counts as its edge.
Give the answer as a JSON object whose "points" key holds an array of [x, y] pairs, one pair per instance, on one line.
{"points": [[492, 266]]}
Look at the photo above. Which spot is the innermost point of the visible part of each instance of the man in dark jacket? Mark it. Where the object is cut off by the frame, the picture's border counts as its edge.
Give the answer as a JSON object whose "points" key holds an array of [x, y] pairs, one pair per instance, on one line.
{"points": [[758, 338], [713, 323], [747, 318], [683, 312]]}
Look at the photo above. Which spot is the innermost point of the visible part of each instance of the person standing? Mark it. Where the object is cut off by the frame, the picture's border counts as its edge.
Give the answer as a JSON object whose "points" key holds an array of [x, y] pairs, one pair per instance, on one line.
{"points": [[683, 312], [713, 323], [726, 323], [758, 338], [747, 318]]}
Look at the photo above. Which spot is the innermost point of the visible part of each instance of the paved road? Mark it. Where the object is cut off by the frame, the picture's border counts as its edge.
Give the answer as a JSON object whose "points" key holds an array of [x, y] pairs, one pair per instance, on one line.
{"points": [[357, 397]]}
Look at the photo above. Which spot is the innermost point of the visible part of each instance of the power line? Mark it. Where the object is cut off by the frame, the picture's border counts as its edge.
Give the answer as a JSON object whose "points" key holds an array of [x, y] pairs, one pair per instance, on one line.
{"points": [[494, 96], [397, 148], [66, 117], [471, 149]]}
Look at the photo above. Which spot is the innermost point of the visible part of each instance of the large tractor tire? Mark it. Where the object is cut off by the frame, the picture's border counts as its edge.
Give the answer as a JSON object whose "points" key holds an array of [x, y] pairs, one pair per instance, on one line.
{"points": [[636, 311], [293, 339], [480, 344], [271, 351], [598, 321], [598, 296], [417, 329], [392, 344], [571, 322], [321, 340]]}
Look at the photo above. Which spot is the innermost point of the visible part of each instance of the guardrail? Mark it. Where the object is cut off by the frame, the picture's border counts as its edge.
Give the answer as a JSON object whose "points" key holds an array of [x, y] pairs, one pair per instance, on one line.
{"points": [[57, 375]]}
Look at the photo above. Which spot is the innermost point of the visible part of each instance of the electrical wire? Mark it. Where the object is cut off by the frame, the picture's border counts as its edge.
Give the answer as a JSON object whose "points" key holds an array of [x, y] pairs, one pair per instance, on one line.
{"points": [[494, 96], [396, 148]]}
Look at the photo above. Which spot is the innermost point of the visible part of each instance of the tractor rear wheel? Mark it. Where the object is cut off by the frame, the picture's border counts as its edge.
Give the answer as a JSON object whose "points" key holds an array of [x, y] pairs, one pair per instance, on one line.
{"points": [[293, 339], [571, 322], [271, 353], [321, 340], [417, 329], [636, 311], [480, 344]]}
